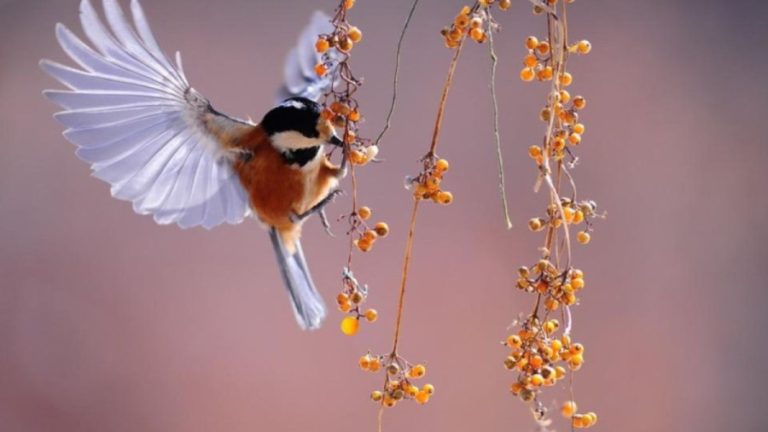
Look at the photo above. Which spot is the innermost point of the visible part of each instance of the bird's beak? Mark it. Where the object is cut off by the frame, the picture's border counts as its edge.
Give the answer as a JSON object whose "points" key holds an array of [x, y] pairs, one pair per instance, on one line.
{"points": [[335, 140]]}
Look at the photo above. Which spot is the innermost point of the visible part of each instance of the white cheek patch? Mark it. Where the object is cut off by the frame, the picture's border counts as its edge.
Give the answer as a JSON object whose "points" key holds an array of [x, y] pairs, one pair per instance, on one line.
{"points": [[292, 140]]}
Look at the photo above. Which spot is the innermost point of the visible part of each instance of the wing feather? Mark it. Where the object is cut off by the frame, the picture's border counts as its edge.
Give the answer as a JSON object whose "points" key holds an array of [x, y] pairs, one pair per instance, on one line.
{"points": [[299, 77], [134, 117]]}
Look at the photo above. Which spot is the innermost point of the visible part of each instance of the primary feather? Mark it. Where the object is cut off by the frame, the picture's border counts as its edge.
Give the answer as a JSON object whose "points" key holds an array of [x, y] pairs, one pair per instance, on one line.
{"points": [[144, 130]]}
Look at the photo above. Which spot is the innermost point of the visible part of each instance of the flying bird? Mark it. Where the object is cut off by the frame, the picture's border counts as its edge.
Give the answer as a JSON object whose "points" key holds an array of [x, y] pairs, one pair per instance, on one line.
{"points": [[160, 144]]}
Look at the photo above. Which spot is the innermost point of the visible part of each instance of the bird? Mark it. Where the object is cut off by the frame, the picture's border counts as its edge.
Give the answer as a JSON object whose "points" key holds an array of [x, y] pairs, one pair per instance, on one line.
{"points": [[160, 144]]}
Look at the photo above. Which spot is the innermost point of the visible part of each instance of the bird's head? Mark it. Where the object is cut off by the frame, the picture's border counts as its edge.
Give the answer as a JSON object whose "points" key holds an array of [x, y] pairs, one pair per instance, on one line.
{"points": [[297, 124]]}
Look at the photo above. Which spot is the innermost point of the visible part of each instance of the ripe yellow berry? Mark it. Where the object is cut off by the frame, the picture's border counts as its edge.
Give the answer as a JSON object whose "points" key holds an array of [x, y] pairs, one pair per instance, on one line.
{"points": [[532, 42], [577, 348], [566, 79], [428, 388], [376, 396], [583, 237], [442, 165], [418, 371], [568, 409], [382, 229], [584, 47], [579, 128], [346, 44], [592, 417], [355, 34], [527, 74], [574, 138], [320, 69], [577, 283], [322, 45], [577, 274], [478, 35], [364, 213], [350, 325], [535, 224], [537, 380], [565, 96], [444, 197], [514, 341], [371, 315]]}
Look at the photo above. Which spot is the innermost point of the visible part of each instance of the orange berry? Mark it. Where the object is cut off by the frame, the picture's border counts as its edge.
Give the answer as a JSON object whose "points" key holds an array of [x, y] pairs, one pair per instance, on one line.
{"points": [[370, 235], [320, 69], [578, 283], [355, 34], [371, 315], [477, 34], [322, 45], [418, 371], [583, 237], [537, 380], [350, 325], [530, 61], [349, 4], [514, 341], [461, 21], [442, 165], [566, 79], [543, 47], [505, 4], [574, 138], [532, 42], [382, 229], [364, 362], [444, 197], [363, 245], [534, 151], [584, 47], [568, 409], [354, 116], [527, 74], [546, 74], [422, 397], [364, 213], [346, 44], [579, 102]]}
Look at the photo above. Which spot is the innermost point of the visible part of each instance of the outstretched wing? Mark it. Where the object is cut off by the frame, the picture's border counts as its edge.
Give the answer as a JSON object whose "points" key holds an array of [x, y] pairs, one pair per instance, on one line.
{"points": [[300, 79], [144, 130]]}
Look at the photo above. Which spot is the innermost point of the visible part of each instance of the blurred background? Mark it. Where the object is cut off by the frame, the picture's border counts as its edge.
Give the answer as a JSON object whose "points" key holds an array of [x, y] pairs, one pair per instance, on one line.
{"points": [[109, 322]]}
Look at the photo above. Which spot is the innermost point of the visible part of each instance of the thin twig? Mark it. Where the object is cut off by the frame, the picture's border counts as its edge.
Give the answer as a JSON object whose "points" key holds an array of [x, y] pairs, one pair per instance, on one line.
{"points": [[497, 135], [397, 73], [403, 281]]}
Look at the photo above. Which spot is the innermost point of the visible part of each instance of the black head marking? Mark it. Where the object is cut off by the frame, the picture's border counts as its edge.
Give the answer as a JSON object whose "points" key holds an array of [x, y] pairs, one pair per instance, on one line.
{"points": [[294, 114], [300, 157]]}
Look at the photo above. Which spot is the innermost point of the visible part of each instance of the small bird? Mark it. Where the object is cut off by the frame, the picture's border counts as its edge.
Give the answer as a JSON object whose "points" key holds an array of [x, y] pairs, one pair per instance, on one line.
{"points": [[160, 144]]}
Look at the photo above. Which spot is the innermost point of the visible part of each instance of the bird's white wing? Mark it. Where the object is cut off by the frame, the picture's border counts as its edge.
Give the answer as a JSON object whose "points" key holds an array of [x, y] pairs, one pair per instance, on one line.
{"points": [[144, 130], [300, 78]]}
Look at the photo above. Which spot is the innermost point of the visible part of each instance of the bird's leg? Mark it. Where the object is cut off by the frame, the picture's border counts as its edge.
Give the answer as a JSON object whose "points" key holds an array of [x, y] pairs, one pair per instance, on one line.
{"points": [[296, 218]]}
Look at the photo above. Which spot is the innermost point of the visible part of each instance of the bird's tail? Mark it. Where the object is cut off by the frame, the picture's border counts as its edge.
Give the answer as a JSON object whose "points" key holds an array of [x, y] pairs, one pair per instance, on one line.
{"points": [[308, 306]]}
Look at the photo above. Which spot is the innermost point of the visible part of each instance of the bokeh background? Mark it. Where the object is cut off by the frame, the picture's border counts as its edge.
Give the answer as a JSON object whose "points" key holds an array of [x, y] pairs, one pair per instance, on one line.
{"points": [[111, 323]]}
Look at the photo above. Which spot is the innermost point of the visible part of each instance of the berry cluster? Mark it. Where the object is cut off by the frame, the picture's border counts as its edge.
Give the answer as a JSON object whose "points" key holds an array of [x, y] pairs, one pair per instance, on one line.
{"points": [[475, 21], [573, 213], [399, 380], [343, 111], [541, 353], [426, 185]]}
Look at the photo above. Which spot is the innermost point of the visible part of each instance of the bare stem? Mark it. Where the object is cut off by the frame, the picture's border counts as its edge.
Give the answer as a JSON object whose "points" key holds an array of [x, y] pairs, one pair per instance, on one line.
{"points": [[404, 279], [397, 72], [497, 135]]}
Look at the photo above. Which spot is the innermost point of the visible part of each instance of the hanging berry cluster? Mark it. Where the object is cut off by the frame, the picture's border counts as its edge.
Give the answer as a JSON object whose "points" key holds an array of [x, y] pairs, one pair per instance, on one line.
{"points": [[342, 109], [542, 352]]}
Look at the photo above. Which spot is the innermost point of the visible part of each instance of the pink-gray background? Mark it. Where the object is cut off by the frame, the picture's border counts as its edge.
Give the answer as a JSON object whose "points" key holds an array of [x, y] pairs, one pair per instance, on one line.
{"points": [[111, 323]]}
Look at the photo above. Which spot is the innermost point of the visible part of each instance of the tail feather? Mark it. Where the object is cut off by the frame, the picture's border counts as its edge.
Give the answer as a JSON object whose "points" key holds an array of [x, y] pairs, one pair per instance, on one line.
{"points": [[308, 306]]}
